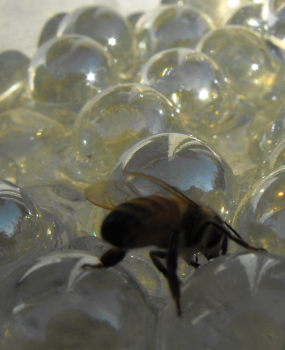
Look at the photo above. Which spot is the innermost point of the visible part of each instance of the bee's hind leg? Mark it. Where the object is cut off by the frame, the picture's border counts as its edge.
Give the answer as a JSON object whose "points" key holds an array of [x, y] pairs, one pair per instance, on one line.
{"points": [[110, 258], [155, 255]]}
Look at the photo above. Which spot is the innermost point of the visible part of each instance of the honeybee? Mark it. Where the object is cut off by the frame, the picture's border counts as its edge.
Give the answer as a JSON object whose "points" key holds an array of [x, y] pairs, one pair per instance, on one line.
{"points": [[175, 224]]}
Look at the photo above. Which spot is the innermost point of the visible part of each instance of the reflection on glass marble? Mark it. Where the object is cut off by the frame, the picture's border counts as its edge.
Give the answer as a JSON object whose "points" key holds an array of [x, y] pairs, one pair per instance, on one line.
{"points": [[50, 28], [248, 15], [109, 28], [196, 86], [169, 27], [263, 137], [274, 160], [244, 58], [67, 71], [185, 162], [22, 224], [216, 9], [113, 121], [234, 302], [274, 14], [58, 304], [260, 216], [23, 130], [9, 169], [13, 77]]}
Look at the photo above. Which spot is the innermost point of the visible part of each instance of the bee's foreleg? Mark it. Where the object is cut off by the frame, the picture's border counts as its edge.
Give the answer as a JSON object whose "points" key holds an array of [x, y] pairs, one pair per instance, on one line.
{"points": [[171, 265], [111, 258], [155, 255]]}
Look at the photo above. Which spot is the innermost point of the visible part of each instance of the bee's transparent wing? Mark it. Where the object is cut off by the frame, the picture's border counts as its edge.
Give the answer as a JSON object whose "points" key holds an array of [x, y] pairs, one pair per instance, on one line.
{"points": [[110, 193]]}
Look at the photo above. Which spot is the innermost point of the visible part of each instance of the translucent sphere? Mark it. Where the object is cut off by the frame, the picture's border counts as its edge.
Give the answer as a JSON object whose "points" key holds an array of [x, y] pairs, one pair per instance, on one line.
{"points": [[195, 85], [248, 15], [13, 78], [234, 302], [58, 304], [134, 17], [217, 9], [263, 137], [170, 26], [188, 164], [110, 29], [260, 215], [22, 226], [50, 28], [244, 58], [113, 121], [67, 71], [9, 169], [274, 14], [274, 160]]}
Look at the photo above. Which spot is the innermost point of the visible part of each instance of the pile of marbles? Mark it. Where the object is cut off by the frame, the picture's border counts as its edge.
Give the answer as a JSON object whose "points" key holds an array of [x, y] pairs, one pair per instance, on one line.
{"points": [[192, 93]]}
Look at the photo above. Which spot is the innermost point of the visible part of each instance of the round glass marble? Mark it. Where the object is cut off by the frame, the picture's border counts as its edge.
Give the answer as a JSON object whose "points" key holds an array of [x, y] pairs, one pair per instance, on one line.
{"points": [[274, 14], [59, 304], [244, 58], [186, 163], [216, 9], [170, 26], [13, 77], [260, 215], [65, 72], [113, 121], [234, 302], [195, 85], [50, 28], [110, 29], [248, 15]]}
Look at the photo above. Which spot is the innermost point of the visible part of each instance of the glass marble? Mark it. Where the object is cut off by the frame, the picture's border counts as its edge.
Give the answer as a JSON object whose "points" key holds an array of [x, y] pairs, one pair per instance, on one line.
{"points": [[260, 215], [65, 72], [244, 58], [113, 121], [134, 17], [264, 138], [216, 9], [22, 130], [58, 304], [110, 29], [248, 15], [234, 302], [274, 159], [9, 169], [50, 28], [170, 26], [196, 86], [274, 14], [186, 163], [13, 77]]}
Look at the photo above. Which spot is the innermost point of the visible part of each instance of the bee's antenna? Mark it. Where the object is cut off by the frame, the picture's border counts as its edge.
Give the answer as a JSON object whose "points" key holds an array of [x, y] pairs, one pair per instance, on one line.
{"points": [[233, 230]]}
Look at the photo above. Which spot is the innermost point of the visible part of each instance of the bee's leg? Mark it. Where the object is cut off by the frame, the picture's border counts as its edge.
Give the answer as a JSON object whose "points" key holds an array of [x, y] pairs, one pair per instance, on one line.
{"points": [[155, 255], [224, 247], [171, 264], [110, 258]]}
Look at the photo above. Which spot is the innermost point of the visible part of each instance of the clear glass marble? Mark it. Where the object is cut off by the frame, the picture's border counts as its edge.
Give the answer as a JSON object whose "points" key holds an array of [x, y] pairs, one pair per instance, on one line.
{"points": [[58, 304], [134, 17], [170, 26], [13, 78], [196, 86], [274, 14], [216, 9], [185, 162], [244, 58], [50, 28], [65, 72], [113, 121], [248, 15], [259, 217], [109, 28], [234, 302]]}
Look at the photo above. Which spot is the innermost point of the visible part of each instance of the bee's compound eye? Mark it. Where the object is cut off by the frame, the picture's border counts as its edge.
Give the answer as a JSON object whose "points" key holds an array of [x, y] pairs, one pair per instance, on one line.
{"points": [[249, 305], [58, 302]]}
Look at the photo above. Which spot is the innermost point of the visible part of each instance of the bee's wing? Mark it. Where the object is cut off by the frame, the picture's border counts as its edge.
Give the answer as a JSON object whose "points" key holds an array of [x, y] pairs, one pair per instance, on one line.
{"points": [[175, 192], [108, 194]]}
